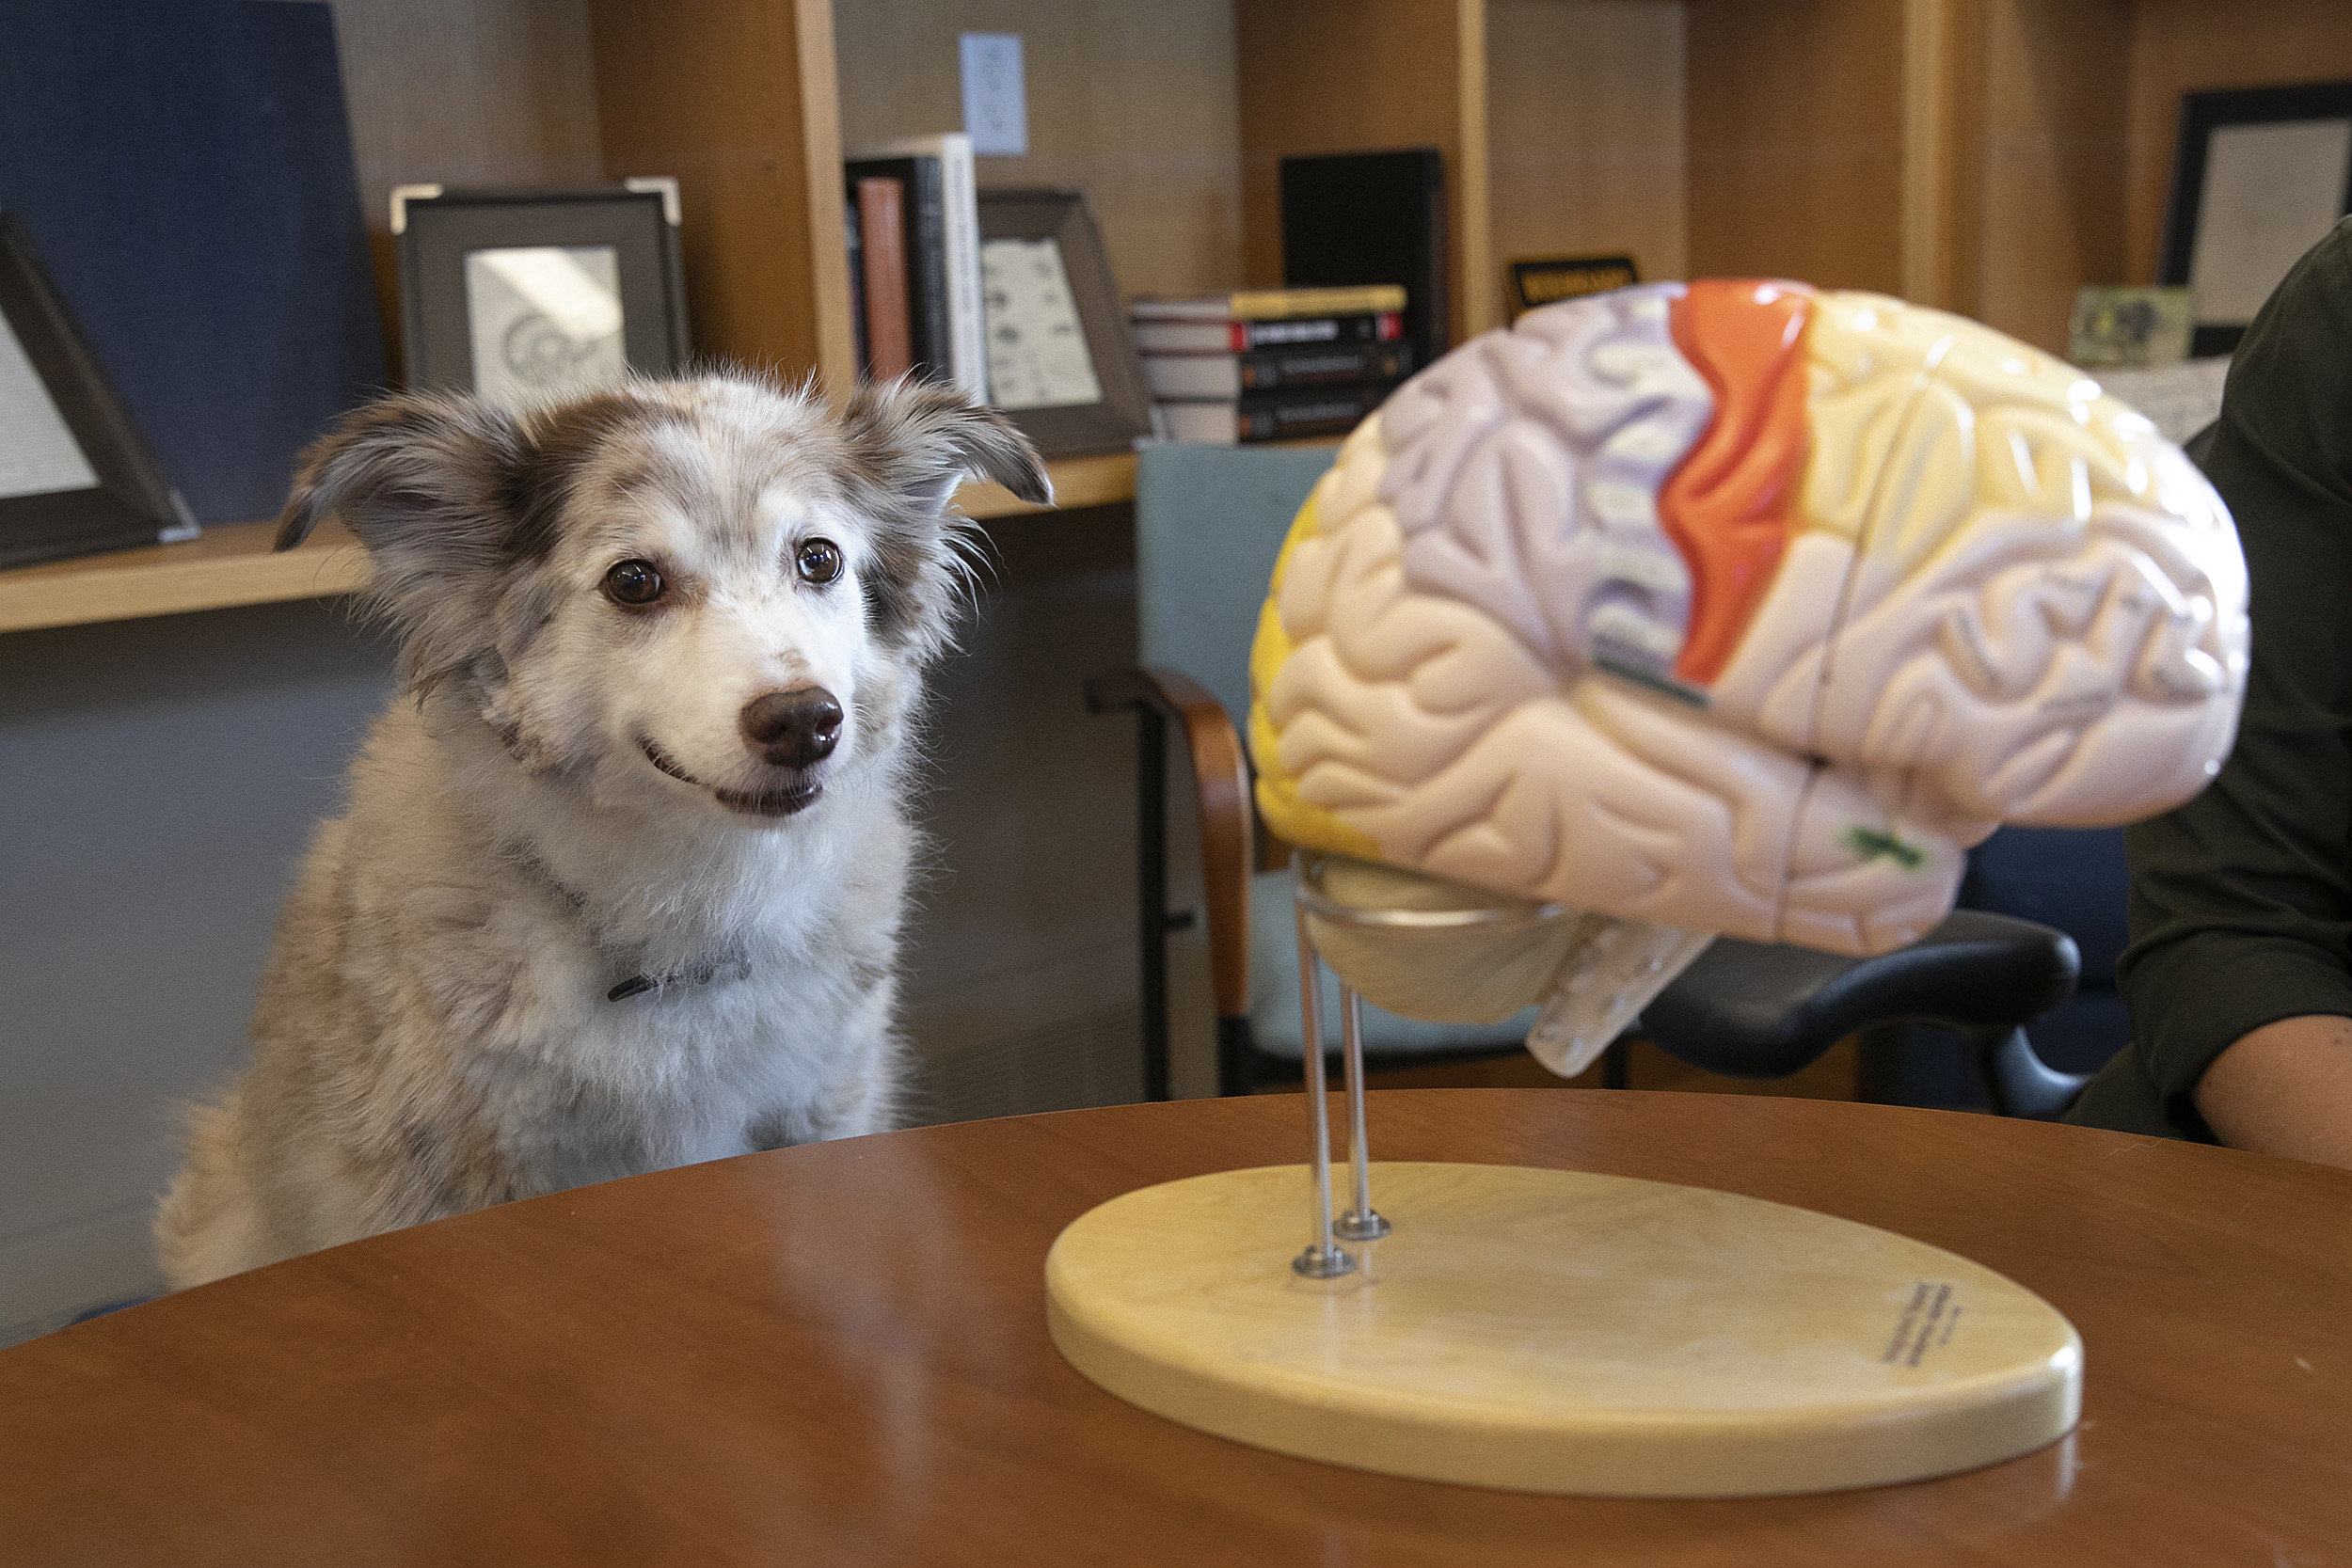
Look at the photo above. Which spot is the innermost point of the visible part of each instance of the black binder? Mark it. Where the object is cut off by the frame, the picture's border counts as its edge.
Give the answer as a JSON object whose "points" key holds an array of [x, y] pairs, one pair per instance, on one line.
{"points": [[1372, 217], [185, 168]]}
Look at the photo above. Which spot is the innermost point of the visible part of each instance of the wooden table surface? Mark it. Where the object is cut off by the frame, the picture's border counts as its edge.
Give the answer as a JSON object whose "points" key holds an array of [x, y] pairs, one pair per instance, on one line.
{"points": [[837, 1354]]}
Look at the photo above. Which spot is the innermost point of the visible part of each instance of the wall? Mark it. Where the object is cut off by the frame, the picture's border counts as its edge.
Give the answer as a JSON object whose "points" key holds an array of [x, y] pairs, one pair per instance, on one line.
{"points": [[160, 778], [1022, 989]]}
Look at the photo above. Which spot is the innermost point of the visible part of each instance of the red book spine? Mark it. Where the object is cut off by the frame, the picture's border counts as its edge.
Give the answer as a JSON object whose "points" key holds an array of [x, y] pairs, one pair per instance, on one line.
{"points": [[881, 228]]}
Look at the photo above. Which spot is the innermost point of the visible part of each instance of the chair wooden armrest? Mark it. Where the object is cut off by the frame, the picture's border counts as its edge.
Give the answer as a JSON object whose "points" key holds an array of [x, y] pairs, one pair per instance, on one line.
{"points": [[1220, 772]]}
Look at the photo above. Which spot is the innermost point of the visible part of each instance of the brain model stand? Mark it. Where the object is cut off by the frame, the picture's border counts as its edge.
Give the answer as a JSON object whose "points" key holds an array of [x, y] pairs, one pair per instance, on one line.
{"points": [[1733, 607]]}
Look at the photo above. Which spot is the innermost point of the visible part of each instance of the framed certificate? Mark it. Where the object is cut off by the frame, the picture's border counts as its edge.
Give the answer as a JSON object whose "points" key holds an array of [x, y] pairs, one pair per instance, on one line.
{"points": [[523, 295], [75, 477], [2259, 177], [1061, 364]]}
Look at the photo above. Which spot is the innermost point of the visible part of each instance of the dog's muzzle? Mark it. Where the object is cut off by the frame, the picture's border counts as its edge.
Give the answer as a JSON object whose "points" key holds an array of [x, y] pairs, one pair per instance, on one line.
{"points": [[781, 801]]}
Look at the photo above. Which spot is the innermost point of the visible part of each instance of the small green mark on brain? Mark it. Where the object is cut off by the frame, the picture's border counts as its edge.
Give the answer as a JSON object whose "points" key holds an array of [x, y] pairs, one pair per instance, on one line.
{"points": [[1878, 844]]}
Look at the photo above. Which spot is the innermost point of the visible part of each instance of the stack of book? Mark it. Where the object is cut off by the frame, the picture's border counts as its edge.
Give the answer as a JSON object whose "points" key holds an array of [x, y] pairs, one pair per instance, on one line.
{"points": [[913, 216], [1272, 364]]}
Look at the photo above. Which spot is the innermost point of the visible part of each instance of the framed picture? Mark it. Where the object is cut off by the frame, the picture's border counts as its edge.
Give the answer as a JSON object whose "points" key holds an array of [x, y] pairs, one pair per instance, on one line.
{"points": [[2259, 177], [1060, 362], [520, 295], [74, 476]]}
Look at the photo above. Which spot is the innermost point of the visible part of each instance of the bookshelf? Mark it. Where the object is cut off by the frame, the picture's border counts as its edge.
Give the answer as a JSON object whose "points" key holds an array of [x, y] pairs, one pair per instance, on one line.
{"points": [[1985, 155]]}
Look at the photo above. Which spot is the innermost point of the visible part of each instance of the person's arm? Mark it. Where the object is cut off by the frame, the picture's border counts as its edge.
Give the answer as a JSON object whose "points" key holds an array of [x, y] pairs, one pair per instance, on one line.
{"points": [[2239, 974], [2286, 1088]]}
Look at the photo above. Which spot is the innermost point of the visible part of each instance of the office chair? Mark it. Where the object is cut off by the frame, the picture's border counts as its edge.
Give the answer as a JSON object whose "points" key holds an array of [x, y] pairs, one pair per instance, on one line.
{"points": [[2073, 879], [1209, 522]]}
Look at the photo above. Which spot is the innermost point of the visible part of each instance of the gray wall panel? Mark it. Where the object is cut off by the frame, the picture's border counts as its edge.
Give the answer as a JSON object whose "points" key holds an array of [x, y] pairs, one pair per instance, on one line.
{"points": [[158, 781]]}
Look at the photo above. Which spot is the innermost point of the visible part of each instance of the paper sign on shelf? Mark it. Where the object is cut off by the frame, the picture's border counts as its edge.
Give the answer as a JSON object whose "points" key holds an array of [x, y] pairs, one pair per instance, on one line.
{"points": [[995, 96]]}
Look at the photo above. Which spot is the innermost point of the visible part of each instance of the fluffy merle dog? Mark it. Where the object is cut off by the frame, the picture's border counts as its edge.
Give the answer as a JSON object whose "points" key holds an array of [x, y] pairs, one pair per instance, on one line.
{"points": [[620, 879]]}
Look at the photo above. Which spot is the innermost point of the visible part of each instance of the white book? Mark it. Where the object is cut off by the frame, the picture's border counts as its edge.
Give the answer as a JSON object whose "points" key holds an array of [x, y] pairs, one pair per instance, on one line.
{"points": [[1289, 368], [1305, 412], [1193, 375], [1206, 424], [959, 193]]}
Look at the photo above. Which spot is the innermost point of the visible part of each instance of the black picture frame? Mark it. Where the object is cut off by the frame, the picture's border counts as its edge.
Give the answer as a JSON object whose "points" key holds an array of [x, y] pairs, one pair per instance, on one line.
{"points": [[2202, 114], [435, 230], [1124, 412], [130, 503]]}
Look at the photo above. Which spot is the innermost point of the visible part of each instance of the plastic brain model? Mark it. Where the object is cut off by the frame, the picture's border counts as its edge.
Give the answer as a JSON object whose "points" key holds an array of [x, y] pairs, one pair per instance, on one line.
{"points": [[1742, 607]]}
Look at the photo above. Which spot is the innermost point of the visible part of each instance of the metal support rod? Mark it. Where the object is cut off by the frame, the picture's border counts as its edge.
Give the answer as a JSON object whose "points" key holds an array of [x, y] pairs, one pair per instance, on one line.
{"points": [[1362, 1222], [1324, 1257]]}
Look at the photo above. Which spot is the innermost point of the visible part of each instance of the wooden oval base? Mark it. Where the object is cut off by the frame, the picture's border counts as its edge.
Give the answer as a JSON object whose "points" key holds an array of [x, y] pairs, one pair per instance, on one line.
{"points": [[1556, 1331]]}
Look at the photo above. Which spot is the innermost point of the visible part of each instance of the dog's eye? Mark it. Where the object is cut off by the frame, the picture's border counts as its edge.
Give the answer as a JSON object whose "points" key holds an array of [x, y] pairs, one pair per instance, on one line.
{"points": [[820, 560], [633, 582]]}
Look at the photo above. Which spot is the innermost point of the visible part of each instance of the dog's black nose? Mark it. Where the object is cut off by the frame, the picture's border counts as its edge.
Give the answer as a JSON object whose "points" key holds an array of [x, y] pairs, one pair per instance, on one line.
{"points": [[793, 729]]}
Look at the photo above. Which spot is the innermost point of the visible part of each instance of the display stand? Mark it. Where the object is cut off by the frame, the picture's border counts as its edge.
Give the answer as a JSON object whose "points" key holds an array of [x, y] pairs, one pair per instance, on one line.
{"points": [[1550, 1330]]}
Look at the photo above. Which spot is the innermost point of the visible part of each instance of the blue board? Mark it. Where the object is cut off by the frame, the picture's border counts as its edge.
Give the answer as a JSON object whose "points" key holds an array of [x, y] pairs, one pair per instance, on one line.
{"points": [[184, 167]]}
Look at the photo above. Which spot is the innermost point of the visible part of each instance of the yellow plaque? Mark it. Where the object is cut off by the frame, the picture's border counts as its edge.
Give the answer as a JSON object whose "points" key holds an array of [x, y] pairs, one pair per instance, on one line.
{"points": [[1559, 1330]]}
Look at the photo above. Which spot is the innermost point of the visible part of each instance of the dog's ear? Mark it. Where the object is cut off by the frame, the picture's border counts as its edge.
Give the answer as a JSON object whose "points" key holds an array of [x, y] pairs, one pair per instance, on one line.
{"points": [[416, 469], [909, 441], [426, 480], [916, 439]]}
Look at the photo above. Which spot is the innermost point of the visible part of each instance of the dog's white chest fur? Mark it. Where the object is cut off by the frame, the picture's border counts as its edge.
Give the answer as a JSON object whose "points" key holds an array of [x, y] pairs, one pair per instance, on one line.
{"points": [[437, 1030]]}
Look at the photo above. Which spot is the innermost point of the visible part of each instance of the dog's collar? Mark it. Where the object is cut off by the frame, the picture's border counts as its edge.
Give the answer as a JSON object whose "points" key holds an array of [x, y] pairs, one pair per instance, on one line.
{"points": [[707, 971], [693, 974]]}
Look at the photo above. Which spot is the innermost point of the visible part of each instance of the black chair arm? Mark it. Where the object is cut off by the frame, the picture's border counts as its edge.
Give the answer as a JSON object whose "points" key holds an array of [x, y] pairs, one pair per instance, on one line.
{"points": [[1751, 1010], [2023, 1084]]}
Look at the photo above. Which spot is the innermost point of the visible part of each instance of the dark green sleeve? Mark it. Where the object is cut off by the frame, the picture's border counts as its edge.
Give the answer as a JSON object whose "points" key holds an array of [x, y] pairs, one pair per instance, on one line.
{"points": [[2241, 904]]}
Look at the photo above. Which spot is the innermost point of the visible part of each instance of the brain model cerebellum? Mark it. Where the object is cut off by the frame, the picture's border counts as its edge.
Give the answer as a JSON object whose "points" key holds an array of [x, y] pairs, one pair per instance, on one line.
{"points": [[1742, 607]]}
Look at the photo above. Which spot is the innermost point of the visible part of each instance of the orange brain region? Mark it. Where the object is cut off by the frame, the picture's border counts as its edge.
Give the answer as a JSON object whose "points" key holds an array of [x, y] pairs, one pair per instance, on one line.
{"points": [[1727, 507], [1743, 608]]}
